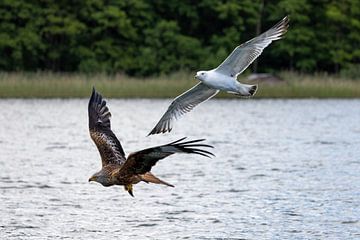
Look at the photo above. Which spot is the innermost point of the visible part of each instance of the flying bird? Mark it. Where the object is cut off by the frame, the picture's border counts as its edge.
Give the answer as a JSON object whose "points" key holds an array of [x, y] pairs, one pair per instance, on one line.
{"points": [[116, 168], [224, 77]]}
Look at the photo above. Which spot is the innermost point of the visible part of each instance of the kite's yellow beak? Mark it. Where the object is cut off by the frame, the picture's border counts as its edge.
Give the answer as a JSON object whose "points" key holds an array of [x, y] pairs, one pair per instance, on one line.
{"points": [[93, 178]]}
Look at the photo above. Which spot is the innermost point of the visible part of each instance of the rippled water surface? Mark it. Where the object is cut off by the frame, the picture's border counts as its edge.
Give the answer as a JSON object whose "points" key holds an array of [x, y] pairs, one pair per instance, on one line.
{"points": [[284, 169]]}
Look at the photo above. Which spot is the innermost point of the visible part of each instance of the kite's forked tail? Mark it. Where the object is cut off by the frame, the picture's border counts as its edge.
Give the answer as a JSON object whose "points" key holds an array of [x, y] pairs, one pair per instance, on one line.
{"points": [[246, 90], [150, 178]]}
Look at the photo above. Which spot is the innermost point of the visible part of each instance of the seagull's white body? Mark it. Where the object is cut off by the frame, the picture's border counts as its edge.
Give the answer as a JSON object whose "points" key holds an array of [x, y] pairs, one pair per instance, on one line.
{"points": [[222, 78], [219, 81]]}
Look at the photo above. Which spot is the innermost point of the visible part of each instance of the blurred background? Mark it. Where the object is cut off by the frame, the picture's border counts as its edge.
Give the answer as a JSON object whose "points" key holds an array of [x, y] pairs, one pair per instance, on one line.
{"points": [[159, 39]]}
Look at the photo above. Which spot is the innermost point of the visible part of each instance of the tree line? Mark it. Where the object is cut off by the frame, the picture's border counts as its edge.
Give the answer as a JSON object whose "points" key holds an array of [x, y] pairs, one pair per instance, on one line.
{"points": [[144, 37]]}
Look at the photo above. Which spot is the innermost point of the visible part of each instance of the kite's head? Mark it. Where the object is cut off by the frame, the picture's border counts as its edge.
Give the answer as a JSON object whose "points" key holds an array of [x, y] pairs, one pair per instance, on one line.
{"points": [[201, 75], [102, 178]]}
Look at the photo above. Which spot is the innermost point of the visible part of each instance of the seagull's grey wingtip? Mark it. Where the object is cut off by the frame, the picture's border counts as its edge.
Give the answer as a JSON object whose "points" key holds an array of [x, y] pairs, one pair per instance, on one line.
{"points": [[286, 21]]}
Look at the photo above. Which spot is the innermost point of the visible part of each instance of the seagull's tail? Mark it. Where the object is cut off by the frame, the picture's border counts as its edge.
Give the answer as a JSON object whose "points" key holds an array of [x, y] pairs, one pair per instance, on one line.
{"points": [[246, 90], [149, 177]]}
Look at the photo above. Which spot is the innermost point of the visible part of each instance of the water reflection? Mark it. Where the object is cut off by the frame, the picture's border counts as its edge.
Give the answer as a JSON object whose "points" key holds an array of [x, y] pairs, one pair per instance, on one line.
{"points": [[283, 170]]}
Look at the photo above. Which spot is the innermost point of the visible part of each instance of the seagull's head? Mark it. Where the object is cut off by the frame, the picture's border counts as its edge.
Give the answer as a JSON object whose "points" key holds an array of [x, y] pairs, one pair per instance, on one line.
{"points": [[201, 75], [102, 178]]}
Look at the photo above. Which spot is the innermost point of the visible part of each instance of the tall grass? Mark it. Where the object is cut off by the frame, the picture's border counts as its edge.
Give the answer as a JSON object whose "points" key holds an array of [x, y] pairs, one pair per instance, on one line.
{"points": [[66, 85], [318, 85]]}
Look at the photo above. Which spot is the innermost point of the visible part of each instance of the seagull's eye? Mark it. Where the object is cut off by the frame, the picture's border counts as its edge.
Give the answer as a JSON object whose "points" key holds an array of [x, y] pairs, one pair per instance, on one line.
{"points": [[202, 73]]}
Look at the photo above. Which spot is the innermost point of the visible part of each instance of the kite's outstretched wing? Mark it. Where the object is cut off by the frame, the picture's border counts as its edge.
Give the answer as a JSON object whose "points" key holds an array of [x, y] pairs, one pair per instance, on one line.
{"points": [[246, 53], [141, 162], [183, 104], [108, 145]]}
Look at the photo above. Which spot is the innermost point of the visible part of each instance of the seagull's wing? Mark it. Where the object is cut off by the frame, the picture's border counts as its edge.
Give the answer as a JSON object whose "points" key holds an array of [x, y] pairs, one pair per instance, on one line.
{"points": [[246, 53], [183, 104], [108, 145], [142, 161]]}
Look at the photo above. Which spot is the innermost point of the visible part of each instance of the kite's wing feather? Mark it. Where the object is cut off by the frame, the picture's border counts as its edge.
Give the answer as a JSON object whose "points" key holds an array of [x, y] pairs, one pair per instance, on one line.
{"points": [[246, 53], [142, 161], [183, 104], [108, 145]]}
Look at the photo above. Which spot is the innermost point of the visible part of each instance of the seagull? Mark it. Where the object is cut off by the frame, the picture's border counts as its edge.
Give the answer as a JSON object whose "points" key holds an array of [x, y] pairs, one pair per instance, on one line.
{"points": [[116, 168], [222, 78]]}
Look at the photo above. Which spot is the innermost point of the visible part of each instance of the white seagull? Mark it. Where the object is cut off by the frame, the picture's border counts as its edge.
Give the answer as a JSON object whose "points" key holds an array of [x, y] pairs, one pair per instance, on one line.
{"points": [[222, 78]]}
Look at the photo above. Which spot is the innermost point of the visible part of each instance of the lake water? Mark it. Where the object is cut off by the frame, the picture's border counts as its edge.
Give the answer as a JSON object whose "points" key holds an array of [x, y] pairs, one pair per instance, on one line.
{"points": [[284, 169]]}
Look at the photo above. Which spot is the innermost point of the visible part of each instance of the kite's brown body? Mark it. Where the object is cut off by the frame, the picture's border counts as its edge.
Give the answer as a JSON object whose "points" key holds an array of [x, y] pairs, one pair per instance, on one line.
{"points": [[116, 168]]}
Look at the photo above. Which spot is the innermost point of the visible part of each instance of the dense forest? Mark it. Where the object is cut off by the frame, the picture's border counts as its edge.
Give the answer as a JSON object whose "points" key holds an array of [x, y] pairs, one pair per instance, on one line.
{"points": [[144, 37]]}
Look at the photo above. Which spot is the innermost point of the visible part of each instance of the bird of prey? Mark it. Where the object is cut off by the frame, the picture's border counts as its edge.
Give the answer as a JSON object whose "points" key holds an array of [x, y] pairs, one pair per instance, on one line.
{"points": [[116, 168], [224, 77]]}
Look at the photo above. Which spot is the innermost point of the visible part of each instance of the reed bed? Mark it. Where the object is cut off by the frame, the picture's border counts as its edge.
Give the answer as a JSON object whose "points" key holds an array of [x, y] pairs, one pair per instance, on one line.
{"points": [[77, 85]]}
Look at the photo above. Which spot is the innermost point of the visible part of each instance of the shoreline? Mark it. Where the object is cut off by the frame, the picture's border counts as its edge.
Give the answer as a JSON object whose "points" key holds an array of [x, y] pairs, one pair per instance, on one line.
{"points": [[75, 85]]}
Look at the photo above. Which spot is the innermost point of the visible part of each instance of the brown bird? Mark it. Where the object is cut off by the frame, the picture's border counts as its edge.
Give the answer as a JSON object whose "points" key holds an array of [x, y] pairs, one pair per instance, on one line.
{"points": [[116, 168]]}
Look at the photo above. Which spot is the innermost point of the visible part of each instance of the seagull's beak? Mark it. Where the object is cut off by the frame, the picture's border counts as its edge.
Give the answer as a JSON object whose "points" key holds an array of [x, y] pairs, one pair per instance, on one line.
{"points": [[93, 178]]}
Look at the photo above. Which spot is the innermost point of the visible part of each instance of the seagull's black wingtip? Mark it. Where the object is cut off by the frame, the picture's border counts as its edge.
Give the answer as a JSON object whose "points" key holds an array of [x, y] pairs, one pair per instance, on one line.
{"points": [[155, 131], [151, 133]]}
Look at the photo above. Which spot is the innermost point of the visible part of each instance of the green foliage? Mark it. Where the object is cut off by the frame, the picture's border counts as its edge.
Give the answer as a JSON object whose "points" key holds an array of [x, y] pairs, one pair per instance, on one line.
{"points": [[351, 72], [142, 37]]}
